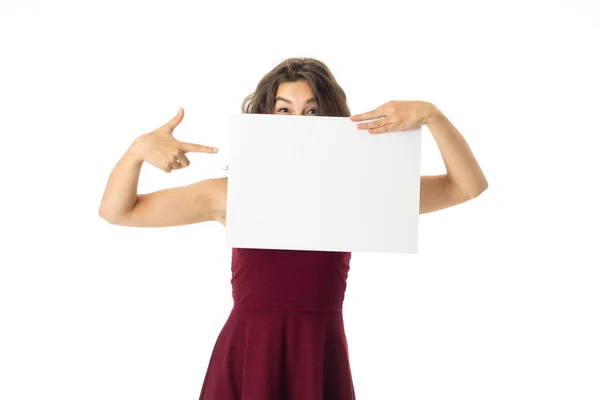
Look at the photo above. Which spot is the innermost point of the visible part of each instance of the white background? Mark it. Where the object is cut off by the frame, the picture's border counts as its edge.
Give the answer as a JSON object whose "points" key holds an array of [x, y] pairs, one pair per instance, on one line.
{"points": [[501, 302]]}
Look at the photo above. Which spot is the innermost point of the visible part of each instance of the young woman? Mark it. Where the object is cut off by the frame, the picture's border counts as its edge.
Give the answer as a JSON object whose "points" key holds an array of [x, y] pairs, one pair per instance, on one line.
{"points": [[284, 338]]}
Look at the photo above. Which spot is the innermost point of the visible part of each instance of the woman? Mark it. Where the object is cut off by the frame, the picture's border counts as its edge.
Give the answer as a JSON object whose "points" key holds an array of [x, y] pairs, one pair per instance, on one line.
{"points": [[284, 338]]}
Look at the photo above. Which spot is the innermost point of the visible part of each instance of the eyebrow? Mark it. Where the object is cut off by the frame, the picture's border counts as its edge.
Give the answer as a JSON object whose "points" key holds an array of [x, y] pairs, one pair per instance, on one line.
{"points": [[311, 100]]}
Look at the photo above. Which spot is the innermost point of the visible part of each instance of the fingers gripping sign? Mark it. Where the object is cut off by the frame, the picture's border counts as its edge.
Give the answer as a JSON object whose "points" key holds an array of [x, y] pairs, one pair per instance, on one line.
{"points": [[396, 115]]}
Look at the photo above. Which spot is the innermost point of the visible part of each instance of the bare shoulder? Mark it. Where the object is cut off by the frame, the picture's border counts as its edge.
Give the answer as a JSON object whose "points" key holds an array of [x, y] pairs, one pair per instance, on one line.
{"points": [[220, 200]]}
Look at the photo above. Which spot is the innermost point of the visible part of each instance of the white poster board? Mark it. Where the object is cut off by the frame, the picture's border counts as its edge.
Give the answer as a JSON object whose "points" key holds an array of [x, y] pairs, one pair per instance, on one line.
{"points": [[320, 183]]}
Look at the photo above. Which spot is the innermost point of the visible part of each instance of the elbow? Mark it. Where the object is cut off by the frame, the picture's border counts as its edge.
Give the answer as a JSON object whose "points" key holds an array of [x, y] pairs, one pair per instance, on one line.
{"points": [[479, 189], [472, 189], [108, 217]]}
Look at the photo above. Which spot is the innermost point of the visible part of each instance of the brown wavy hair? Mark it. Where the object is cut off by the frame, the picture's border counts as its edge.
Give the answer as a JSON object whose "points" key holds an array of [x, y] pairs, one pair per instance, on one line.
{"points": [[328, 94]]}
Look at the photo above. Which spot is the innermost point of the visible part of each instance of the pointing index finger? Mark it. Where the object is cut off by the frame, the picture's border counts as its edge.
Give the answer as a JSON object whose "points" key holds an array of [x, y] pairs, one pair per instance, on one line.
{"points": [[197, 148]]}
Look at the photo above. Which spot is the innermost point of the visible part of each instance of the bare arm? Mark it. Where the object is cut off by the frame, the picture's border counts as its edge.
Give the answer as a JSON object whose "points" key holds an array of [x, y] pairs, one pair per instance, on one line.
{"points": [[120, 194], [122, 205], [198, 202], [464, 179], [462, 168]]}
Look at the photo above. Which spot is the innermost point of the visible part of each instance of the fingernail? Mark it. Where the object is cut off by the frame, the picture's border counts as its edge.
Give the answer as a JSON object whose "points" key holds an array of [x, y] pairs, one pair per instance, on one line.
{"points": [[215, 150]]}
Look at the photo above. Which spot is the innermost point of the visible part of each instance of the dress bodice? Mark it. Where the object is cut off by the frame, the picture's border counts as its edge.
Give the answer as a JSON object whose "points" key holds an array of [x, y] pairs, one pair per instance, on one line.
{"points": [[289, 280]]}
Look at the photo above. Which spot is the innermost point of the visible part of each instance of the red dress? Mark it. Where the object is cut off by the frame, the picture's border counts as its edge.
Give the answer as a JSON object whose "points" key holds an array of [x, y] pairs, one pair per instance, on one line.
{"points": [[284, 338]]}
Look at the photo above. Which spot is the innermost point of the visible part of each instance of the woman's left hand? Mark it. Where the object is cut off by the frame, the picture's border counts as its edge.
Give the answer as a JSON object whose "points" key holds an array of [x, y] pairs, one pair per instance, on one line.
{"points": [[397, 115]]}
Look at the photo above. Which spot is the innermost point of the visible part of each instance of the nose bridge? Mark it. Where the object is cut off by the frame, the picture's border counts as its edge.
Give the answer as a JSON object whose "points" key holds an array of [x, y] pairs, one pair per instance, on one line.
{"points": [[298, 107]]}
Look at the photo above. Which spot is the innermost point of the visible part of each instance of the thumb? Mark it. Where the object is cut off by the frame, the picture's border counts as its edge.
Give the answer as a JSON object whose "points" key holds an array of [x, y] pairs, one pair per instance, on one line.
{"points": [[172, 124]]}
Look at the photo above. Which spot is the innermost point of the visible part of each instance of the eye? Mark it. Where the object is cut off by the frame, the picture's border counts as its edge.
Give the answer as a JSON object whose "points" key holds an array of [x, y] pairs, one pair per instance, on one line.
{"points": [[312, 109]]}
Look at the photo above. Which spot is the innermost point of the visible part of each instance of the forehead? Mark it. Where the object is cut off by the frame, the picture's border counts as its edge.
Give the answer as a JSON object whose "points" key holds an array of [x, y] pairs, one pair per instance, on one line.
{"points": [[299, 89]]}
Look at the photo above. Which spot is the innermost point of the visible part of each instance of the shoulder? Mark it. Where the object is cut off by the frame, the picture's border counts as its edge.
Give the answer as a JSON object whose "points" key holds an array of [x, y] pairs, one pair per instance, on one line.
{"points": [[219, 196], [221, 184]]}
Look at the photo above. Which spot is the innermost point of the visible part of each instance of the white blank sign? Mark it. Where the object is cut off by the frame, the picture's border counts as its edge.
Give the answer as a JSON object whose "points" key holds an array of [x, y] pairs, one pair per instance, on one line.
{"points": [[320, 183]]}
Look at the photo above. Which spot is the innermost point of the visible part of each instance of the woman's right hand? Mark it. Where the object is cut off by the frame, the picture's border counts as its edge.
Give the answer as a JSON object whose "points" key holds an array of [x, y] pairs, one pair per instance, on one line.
{"points": [[162, 150]]}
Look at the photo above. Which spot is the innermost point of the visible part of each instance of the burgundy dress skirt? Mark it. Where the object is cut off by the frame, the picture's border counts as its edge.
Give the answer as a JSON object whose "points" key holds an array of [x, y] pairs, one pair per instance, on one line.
{"points": [[284, 338]]}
